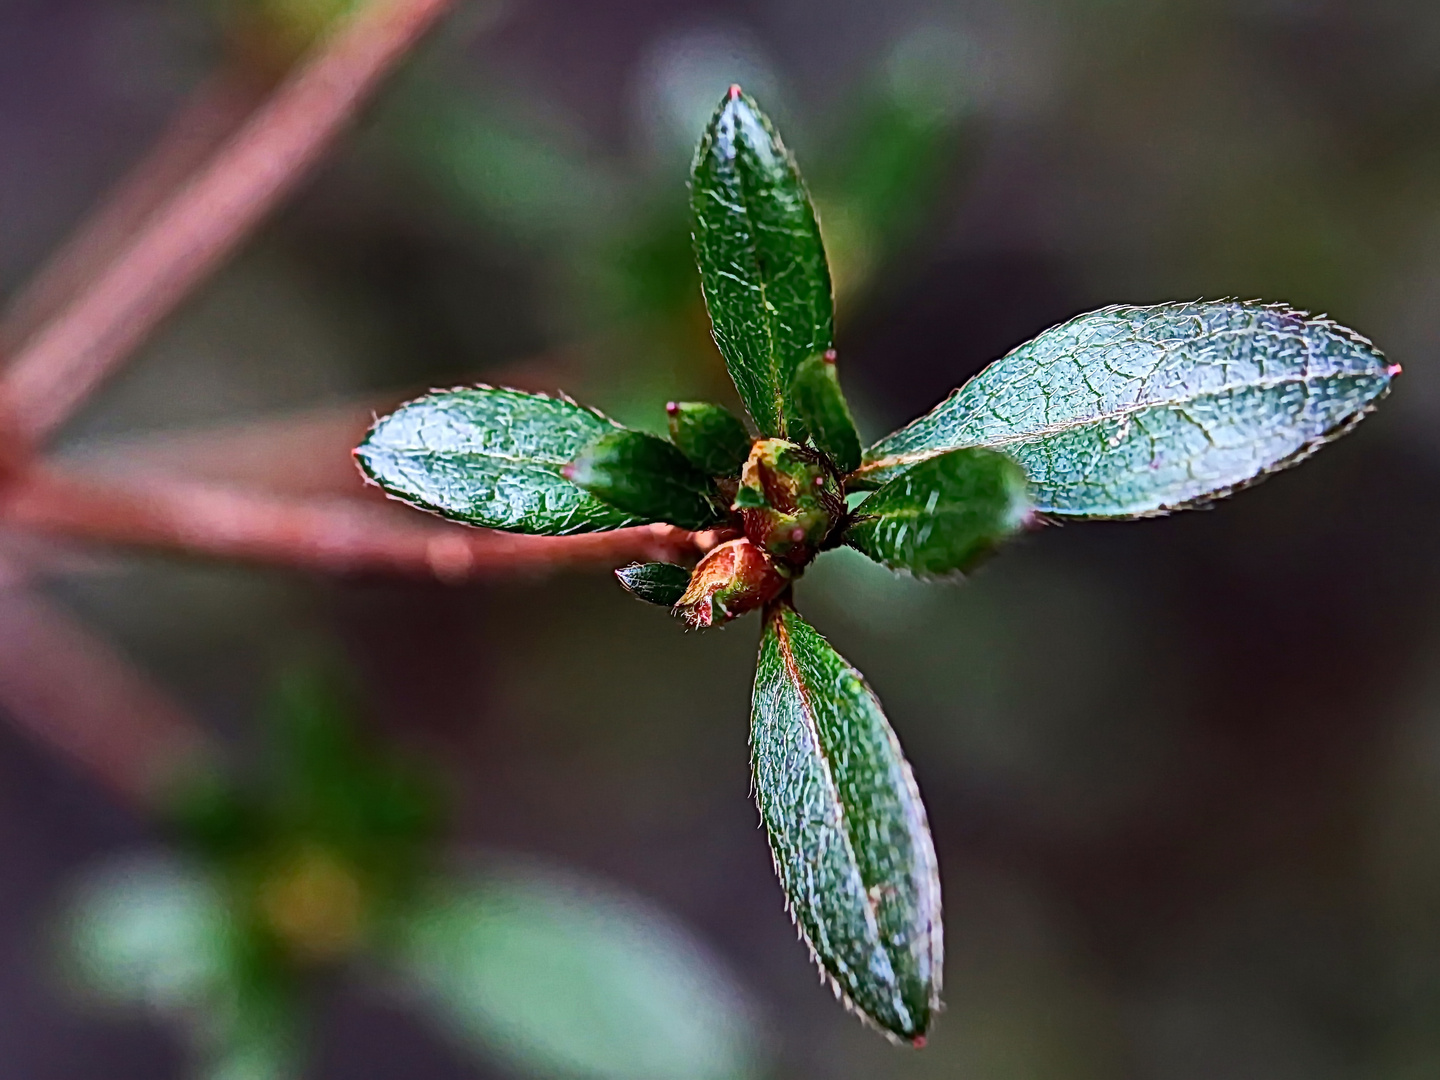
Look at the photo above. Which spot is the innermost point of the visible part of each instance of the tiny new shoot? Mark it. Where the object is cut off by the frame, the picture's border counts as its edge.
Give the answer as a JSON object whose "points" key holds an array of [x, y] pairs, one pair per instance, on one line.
{"points": [[1125, 412]]}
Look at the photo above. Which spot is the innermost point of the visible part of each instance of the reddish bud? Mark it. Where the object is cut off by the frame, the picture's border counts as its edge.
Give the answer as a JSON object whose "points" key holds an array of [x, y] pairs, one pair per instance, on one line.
{"points": [[791, 501], [734, 578]]}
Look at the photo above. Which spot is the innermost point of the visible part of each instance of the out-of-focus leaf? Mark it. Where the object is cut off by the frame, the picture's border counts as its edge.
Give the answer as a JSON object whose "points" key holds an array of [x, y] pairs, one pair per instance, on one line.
{"points": [[491, 457], [945, 514], [153, 931], [847, 828], [655, 582], [710, 436], [503, 169], [647, 477], [818, 399], [1134, 411], [762, 263], [258, 1040], [567, 979]]}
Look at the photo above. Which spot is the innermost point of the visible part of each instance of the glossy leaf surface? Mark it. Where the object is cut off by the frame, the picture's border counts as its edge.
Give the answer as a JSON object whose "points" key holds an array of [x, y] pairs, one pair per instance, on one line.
{"points": [[646, 476], [945, 514], [1135, 411], [712, 438], [562, 977], [821, 404], [762, 263], [655, 582], [847, 828], [491, 457]]}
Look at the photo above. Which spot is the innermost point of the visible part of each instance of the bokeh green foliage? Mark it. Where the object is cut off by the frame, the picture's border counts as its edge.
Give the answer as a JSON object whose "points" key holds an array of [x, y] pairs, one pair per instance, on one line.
{"points": [[331, 860]]}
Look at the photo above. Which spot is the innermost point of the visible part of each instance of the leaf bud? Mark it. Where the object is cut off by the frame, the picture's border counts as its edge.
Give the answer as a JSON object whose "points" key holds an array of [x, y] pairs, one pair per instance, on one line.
{"points": [[732, 579], [790, 501]]}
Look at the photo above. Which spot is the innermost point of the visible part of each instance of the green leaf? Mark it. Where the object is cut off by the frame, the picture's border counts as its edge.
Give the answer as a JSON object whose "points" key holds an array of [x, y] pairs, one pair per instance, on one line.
{"points": [[762, 263], [711, 437], [491, 457], [942, 516], [1136, 411], [655, 582], [815, 391], [847, 828], [564, 978], [645, 476]]}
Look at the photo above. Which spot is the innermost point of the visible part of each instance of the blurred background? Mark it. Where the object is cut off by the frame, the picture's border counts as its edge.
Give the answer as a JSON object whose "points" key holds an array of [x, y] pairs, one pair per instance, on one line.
{"points": [[1183, 775]]}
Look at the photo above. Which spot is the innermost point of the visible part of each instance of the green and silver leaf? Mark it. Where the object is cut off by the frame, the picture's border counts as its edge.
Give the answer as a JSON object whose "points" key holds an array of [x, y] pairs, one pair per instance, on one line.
{"points": [[1135, 411], [711, 437], [820, 403], [644, 475], [942, 516], [762, 262], [847, 828], [655, 582], [492, 457]]}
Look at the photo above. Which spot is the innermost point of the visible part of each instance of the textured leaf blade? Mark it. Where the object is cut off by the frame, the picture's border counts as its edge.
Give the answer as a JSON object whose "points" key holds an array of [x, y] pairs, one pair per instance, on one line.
{"points": [[712, 438], [847, 828], [491, 457], [942, 516], [646, 476], [1134, 411], [821, 404], [762, 262], [655, 582]]}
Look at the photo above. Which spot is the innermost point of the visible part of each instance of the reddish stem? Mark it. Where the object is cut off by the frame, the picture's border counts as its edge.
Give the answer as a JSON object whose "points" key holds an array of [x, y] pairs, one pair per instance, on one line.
{"points": [[337, 535], [186, 239], [213, 113], [75, 694]]}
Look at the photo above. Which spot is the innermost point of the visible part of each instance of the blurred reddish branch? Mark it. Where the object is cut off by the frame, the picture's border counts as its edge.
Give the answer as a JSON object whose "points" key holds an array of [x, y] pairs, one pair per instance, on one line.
{"points": [[330, 534], [214, 113], [78, 696], [188, 238], [221, 166]]}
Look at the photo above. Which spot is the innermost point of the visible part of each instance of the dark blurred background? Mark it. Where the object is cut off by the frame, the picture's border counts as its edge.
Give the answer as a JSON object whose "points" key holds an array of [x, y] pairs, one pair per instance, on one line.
{"points": [[1183, 775]]}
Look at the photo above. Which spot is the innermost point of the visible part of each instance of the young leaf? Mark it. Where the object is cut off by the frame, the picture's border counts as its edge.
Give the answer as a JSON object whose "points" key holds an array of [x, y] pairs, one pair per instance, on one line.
{"points": [[762, 263], [1135, 411], [715, 442], [491, 457], [847, 828], [655, 582], [943, 515], [820, 403], [645, 476]]}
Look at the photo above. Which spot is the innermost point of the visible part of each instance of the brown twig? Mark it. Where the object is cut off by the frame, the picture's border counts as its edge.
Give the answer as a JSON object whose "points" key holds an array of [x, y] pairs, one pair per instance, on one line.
{"points": [[330, 535], [213, 113], [187, 238], [74, 693]]}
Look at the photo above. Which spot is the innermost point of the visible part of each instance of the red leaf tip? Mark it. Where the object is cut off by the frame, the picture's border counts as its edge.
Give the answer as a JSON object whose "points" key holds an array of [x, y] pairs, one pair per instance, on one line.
{"points": [[734, 91], [671, 408], [918, 1042], [830, 356], [1393, 370]]}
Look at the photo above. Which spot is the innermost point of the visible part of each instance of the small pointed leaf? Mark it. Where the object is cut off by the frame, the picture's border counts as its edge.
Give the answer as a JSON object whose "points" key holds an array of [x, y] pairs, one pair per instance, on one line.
{"points": [[847, 828], [945, 514], [655, 582], [818, 399], [491, 457], [762, 263], [712, 438], [645, 476], [1135, 411]]}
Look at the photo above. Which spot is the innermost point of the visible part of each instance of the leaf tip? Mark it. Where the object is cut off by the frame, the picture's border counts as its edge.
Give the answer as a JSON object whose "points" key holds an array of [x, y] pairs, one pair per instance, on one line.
{"points": [[1393, 370], [733, 94]]}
